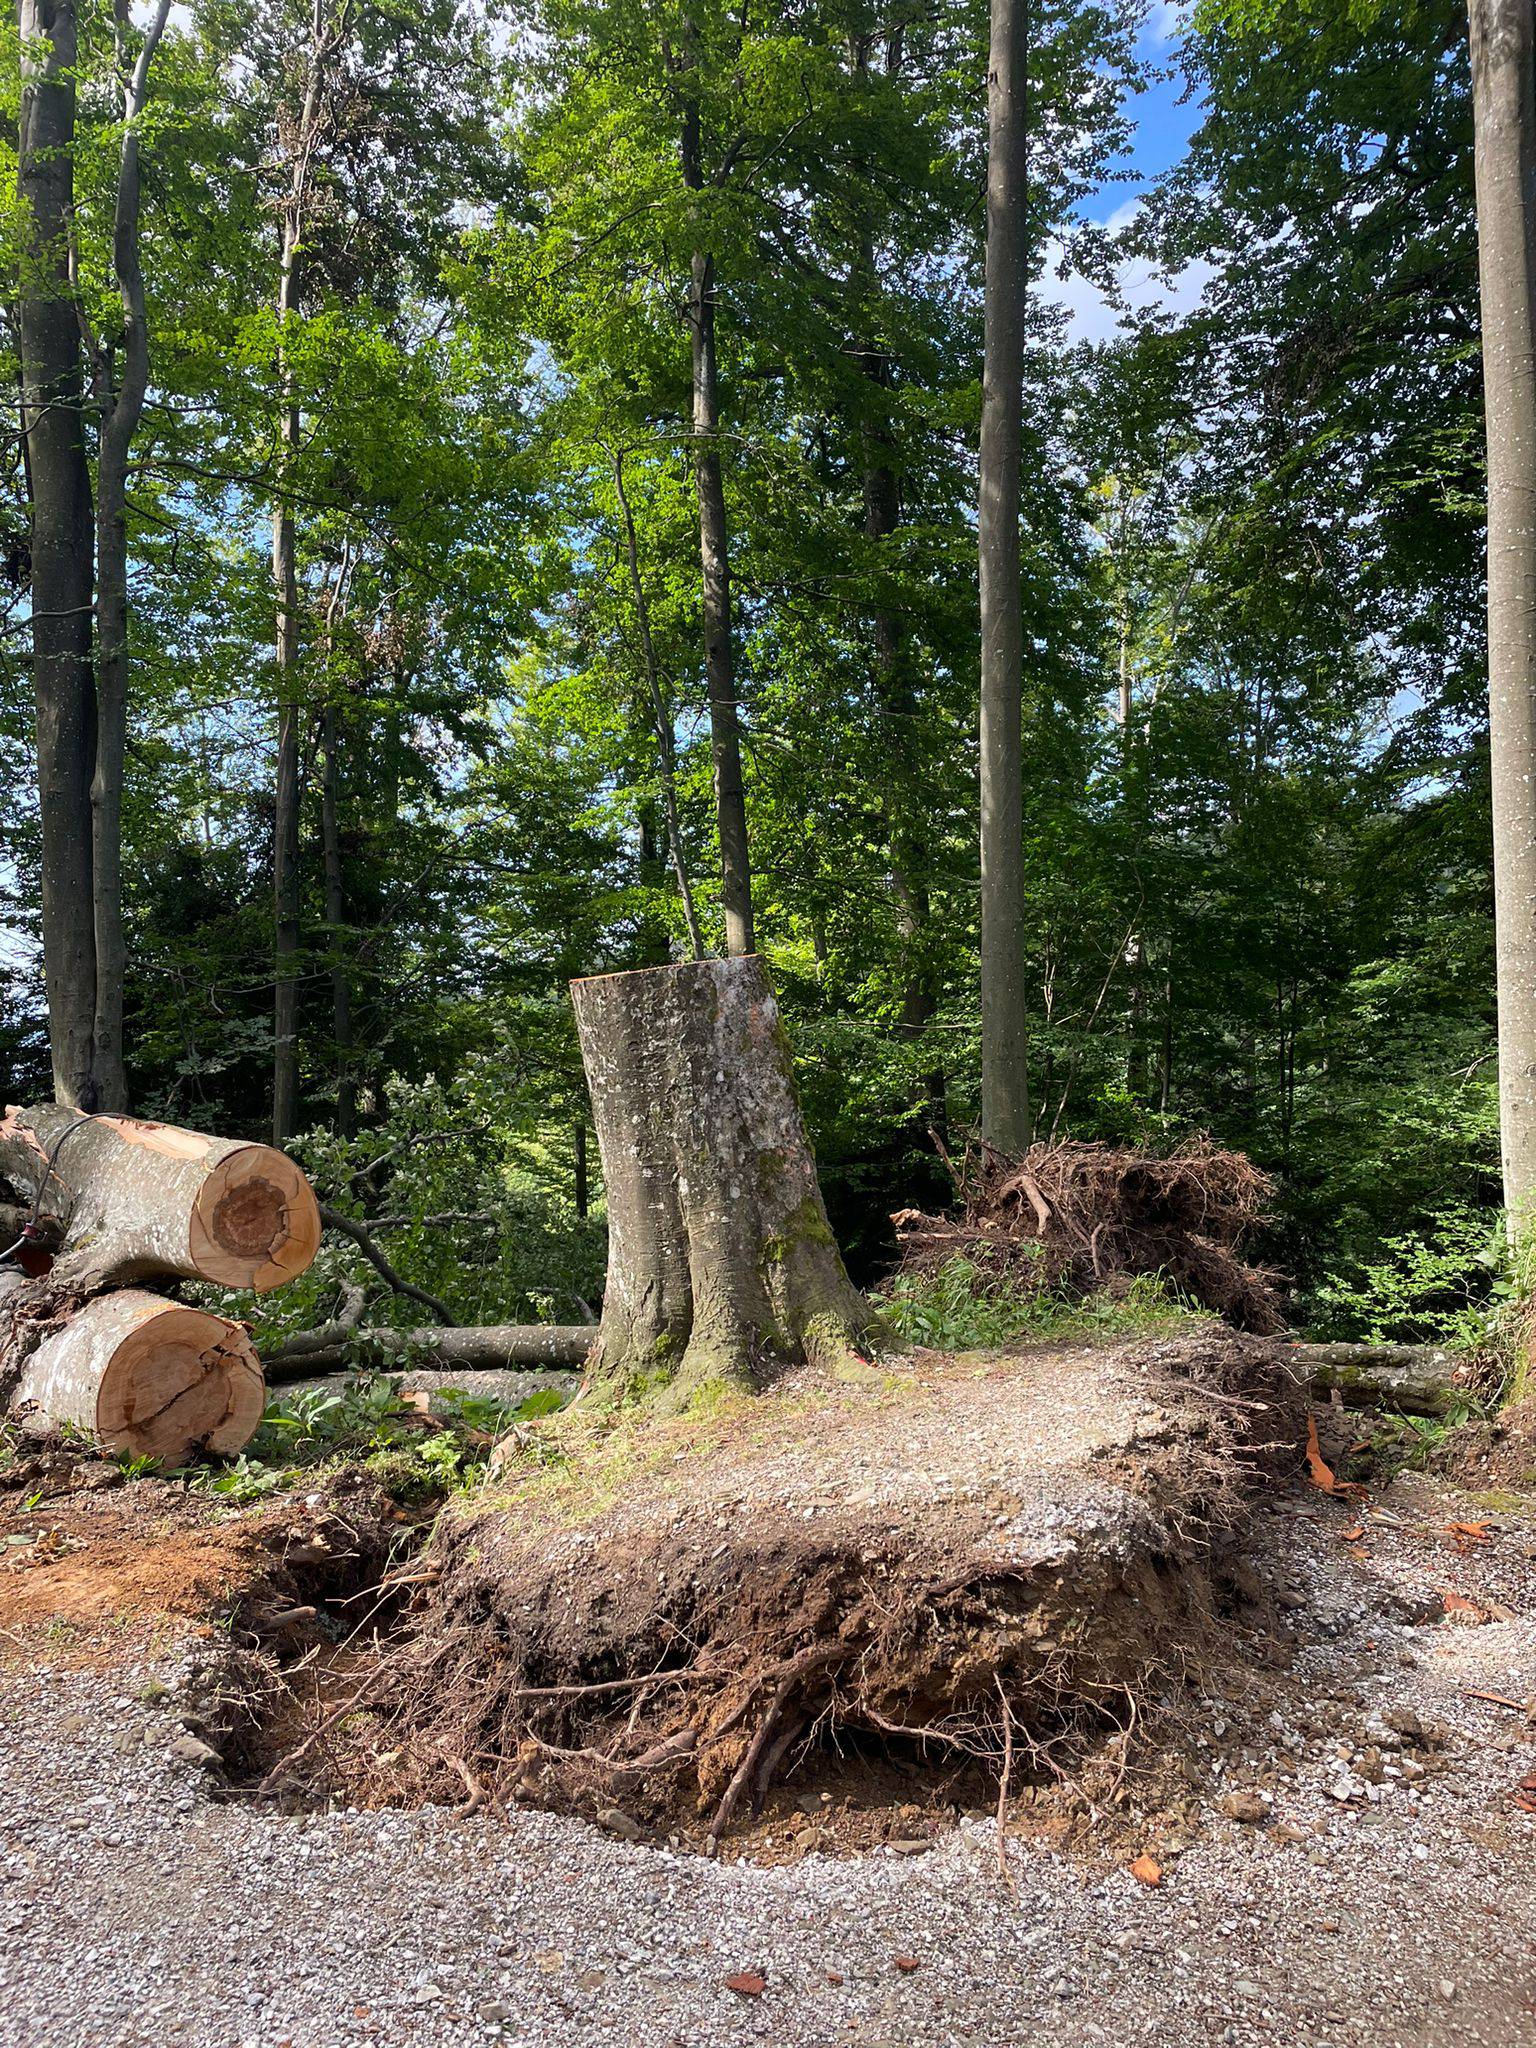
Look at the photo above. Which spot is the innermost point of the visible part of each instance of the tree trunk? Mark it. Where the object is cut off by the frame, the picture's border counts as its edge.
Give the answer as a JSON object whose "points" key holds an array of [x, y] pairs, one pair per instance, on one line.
{"points": [[1005, 1119], [120, 422], [146, 1377], [714, 554], [1504, 106], [894, 695], [335, 919], [488, 1347], [1414, 1379], [661, 714], [123, 1200], [721, 1264], [61, 537], [286, 886]]}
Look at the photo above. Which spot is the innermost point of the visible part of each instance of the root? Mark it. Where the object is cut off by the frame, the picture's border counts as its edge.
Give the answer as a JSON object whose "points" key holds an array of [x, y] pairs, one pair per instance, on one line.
{"points": [[1089, 1216]]}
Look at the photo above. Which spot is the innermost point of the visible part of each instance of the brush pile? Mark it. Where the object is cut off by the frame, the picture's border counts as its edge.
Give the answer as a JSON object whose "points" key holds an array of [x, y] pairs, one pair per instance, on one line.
{"points": [[1085, 1218]]}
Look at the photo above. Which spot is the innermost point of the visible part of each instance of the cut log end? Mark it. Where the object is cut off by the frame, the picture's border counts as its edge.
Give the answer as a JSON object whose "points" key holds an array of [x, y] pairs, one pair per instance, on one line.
{"points": [[150, 1378], [182, 1381], [255, 1222]]}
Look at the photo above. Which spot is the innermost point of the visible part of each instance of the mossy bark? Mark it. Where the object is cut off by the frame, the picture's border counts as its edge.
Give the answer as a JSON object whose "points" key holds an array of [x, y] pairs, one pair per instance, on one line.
{"points": [[722, 1266]]}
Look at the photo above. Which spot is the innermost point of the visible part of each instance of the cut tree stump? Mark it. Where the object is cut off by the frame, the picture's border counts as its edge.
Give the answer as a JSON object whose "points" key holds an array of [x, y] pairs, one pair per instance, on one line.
{"points": [[721, 1263], [119, 1200], [148, 1377]]}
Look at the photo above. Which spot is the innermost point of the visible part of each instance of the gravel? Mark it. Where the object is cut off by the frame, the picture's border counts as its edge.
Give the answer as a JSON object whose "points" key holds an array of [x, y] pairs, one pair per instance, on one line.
{"points": [[1360, 1871]]}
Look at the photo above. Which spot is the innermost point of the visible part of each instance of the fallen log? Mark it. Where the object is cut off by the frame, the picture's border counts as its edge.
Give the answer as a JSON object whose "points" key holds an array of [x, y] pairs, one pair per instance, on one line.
{"points": [[506, 1386], [489, 1347], [148, 1377], [1416, 1379], [117, 1199]]}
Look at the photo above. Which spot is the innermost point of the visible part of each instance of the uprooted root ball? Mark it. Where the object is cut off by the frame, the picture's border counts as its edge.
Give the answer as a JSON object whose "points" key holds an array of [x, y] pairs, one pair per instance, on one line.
{"points": [[1086, 1216], [976, 1560]]}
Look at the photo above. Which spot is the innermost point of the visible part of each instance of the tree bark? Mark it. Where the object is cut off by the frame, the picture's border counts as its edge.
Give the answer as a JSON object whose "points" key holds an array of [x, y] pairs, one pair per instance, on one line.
{"points": [[335, 919], [897, 704], [61, 537], [721, 1264], [146, 1377], [1504, 112], [490, 1347], [1005, 1118], [508, 1386], [123, 1200], [714, 554], [121, 414], [1415, 1379]]}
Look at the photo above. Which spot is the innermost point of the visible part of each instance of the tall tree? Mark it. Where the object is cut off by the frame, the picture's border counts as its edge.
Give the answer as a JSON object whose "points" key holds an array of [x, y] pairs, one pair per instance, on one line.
{"points": [[714, 543], [327, 30], [1005, 1116], [59, 486], [120, 399], [1504, 117]]}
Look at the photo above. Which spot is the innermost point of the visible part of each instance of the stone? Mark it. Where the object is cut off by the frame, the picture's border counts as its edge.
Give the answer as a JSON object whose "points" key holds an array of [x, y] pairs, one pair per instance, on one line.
{"points": [[619, 1823], [1244, 1806], [192, 1749]]}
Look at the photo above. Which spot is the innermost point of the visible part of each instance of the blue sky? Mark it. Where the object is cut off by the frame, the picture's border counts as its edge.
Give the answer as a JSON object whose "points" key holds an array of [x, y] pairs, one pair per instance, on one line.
{"points": [[1163, 125]]}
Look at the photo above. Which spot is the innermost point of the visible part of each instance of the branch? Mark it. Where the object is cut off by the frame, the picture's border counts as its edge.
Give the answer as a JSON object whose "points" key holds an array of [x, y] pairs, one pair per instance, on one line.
{"points": [[348, 1227]]}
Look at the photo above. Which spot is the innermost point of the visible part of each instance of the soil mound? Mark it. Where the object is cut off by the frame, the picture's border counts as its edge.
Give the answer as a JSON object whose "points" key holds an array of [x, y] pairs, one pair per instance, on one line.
{"points": [[976, 1560], [1087, 1216]]}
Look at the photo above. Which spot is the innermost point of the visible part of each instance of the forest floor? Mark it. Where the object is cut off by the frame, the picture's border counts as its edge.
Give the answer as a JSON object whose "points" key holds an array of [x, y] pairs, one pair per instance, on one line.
{"points": [[1342, 1819]]}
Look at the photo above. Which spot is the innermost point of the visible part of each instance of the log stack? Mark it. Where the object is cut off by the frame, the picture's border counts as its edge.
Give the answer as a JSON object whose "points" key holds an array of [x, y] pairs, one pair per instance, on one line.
{"points": [[107, 1202]]}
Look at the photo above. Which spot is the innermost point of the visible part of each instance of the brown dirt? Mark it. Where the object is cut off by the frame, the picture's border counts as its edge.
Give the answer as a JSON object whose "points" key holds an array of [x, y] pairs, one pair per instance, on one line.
{"points": [[1500, 1452], [1089, 1217], [964, 1571], [94, 1559]]}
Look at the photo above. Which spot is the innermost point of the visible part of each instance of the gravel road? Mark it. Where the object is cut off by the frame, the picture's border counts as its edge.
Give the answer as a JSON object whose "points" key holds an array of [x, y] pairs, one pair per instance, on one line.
{"points": [[1383, 1890]]}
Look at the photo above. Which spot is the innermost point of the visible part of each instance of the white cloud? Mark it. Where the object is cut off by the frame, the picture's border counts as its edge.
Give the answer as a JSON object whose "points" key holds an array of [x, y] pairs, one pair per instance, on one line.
{"points": [[1091, 316], [1167, 22]]}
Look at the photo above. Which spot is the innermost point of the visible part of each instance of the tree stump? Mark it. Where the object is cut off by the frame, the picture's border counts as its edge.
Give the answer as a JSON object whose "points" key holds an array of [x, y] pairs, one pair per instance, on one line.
{"points": [[148, 1377], [128, 1200], [721, 1263]]}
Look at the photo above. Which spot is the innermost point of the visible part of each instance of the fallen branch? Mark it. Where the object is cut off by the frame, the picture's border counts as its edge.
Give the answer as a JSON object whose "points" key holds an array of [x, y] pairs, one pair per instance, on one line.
{"points": [[333, 1219], [477, 1349]]}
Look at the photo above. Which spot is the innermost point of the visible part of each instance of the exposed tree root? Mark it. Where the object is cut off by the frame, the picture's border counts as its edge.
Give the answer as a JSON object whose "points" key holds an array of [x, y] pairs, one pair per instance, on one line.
{"points": [[676, 1655]]}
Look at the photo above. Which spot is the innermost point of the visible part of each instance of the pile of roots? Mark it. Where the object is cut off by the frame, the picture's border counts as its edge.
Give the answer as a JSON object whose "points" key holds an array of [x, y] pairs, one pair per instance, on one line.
{"points": [[1086, 1217]]}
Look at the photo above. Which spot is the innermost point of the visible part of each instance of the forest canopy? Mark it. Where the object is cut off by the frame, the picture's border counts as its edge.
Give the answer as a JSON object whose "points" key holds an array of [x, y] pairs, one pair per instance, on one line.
{"points": [[422, 292]]}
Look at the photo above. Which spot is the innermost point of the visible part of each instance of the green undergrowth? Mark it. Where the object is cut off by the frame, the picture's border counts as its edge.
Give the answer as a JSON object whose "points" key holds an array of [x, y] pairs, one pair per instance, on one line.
{"points": [[367, 1423], [954, 1309]]}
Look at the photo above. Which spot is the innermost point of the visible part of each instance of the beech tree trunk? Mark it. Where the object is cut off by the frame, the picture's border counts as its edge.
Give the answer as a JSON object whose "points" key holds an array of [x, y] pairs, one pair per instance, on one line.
{"points": [[61, 537], [1504, 114], [143, 1375], [1005, 1119], [1415, 1379], [721, 1263], [125, 1200], [120, 415], [326, 34]]}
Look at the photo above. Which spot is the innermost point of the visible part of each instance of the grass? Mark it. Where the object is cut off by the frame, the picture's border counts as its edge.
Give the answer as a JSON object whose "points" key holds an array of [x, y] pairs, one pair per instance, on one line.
{"points": [[954, 1310]]}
